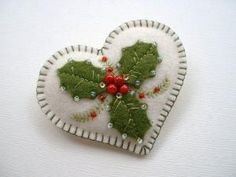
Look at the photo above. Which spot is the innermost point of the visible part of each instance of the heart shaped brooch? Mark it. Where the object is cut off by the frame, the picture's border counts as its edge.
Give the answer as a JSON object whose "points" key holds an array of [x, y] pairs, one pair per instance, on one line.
{"points": [[120, 94]]}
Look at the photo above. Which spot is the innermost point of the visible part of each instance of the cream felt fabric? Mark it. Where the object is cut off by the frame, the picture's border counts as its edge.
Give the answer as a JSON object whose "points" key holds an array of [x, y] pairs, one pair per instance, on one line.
{"points": [[59, 106]]}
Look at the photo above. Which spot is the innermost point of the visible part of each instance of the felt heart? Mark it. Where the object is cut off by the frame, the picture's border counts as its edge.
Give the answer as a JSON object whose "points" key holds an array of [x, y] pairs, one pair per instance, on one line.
{"points": [[120, 94]]}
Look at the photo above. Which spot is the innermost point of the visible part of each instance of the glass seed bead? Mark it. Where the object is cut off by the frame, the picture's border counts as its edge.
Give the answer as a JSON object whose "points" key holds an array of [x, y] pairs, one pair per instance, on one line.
{"points": [[69, 60], [124, 136], [62, 88], [103, 69], [144, 106], [117, 65], [155, 44], [102, 84], [76, 98], [93, 94], [107, 108], [109, 125], [119, 95], [153, 73], [87, 61], [132, 92], [152, 122], [139, 141], [137, 83]]}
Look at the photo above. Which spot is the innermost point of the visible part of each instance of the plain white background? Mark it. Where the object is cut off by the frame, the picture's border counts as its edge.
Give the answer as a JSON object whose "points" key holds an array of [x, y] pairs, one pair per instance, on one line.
{"points": [[199, 136]]}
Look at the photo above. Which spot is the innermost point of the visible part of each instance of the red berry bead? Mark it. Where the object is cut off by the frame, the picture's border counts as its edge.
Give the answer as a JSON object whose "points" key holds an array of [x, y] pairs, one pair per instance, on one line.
{"points": [[111, 88], [141, 95], [119, 81], [124, 89], [109, 79], [104, 59], [109, 69], [93, 115]]}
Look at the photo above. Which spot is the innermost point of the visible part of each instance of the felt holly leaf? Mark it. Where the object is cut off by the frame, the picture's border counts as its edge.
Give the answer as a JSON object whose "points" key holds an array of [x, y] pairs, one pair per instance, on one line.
{"points": [[129, 116], [139, 62], [81, 79]]}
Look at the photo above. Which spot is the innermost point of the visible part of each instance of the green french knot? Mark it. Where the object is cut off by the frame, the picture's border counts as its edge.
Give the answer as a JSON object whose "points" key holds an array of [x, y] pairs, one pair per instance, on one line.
{"points": [[81, 79], [129, 116], [139, 61]]}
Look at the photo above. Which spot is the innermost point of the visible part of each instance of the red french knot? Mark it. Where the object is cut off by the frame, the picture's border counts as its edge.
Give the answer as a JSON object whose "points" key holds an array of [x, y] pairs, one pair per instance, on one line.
{"points": [[111, 88], [101, 98], [124, 89], [141, 95], [119, 81], [104, 59], [156, 90], [93, 115], [109, 69], [109, 79]]}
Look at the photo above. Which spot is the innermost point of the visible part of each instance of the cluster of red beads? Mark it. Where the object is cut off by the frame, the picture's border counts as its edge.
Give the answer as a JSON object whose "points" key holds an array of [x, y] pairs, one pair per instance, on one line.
{"points": [[115, 84]]}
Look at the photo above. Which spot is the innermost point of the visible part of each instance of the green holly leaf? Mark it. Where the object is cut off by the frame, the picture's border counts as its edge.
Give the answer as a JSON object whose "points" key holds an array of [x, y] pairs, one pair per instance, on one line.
{"points": [[129, 116], [81, 79], [139, 62]]}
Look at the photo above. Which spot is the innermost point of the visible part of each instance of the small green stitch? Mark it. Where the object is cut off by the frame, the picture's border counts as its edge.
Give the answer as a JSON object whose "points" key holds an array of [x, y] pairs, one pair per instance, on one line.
{"points": [[86, 115], [156, 90]]}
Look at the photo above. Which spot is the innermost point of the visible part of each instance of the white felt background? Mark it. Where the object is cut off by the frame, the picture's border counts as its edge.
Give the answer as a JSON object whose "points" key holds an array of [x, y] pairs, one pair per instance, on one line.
{"points": [[199, 136]]}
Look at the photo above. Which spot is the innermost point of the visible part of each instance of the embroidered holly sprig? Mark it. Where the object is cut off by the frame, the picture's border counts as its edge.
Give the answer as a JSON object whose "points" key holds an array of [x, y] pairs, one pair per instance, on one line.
{"points": [[154, 91], [102, 102], [127, 114]]}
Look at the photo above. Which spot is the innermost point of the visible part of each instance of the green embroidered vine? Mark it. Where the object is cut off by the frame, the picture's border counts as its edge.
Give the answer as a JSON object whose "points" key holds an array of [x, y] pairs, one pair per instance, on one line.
{"points": [[127, 113], [154, 91], [92, 113]]}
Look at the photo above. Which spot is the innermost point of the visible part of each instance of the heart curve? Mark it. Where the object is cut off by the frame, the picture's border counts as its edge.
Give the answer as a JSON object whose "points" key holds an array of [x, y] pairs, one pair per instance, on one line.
{"points": [[58, 106]]}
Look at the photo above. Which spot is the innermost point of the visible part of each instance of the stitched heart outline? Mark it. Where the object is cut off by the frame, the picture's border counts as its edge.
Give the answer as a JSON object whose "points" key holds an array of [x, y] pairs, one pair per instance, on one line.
{"points": [[128, 145]]}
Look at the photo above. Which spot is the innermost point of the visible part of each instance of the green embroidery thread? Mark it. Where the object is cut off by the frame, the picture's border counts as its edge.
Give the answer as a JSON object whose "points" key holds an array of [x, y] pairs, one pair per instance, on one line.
{"points": [[156, 90], [92, 113], [127, 114]]}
